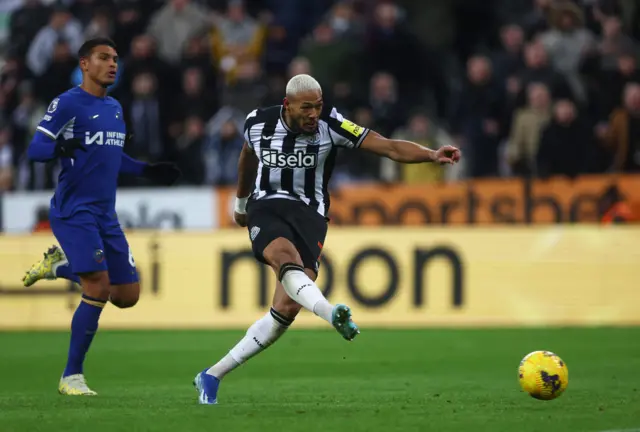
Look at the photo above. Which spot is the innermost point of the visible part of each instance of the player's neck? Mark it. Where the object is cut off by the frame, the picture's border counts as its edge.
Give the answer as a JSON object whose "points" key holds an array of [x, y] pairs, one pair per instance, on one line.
{"points": [[291, 125], [93, 89]]}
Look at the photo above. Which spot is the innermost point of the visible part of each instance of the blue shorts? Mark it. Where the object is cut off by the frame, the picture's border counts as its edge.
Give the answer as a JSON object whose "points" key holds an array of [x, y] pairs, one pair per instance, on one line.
{"points": [[95, 243]]}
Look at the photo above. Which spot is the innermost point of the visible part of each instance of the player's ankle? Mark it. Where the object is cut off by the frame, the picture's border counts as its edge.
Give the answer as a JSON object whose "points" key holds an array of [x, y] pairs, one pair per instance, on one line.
{"points": [[323, 309]]}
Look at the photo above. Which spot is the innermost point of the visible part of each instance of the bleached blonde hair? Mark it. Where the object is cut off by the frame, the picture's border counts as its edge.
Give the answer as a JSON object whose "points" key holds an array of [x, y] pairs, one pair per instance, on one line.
{"points": [[302, 83]]}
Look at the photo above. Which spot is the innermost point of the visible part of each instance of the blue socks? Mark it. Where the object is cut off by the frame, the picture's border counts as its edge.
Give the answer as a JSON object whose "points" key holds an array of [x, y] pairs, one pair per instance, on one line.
{"points": [[83, 328], [64, 272]]}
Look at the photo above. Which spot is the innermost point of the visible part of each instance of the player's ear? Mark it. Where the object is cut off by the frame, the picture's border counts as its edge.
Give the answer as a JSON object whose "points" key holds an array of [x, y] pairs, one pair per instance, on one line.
{"points": [[285, 102], [83, 64]]}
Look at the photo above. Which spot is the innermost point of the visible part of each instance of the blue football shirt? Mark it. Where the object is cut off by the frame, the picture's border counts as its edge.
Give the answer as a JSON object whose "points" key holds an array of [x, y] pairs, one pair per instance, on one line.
{"points": [[88, 182]]}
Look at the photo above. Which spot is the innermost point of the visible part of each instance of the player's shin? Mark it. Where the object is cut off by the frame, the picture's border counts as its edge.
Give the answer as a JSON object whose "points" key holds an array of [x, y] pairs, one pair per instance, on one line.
{"points": [[259, 337], [304, 291], [83, 328]]}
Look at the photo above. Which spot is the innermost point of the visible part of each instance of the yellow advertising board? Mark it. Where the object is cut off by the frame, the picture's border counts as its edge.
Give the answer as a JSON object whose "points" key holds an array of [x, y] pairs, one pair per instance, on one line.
{"points": [[410, 277]]}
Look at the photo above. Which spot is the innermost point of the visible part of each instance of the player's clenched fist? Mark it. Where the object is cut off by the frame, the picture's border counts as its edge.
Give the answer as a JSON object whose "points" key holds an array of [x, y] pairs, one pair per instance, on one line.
{"points": [[447, 155]]}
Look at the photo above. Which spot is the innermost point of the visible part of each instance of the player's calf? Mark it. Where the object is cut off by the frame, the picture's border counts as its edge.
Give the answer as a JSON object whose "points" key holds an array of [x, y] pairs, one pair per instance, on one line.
{"points": [[125, 295]]}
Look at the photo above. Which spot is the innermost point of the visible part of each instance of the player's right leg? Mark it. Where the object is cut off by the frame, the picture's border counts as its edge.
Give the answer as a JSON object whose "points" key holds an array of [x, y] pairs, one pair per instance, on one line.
{"points": [[80, 239], [285, 260]]}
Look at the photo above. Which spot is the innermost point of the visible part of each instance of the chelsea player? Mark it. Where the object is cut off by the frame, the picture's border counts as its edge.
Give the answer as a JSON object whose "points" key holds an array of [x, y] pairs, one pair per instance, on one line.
{"points": [[85, 129]]}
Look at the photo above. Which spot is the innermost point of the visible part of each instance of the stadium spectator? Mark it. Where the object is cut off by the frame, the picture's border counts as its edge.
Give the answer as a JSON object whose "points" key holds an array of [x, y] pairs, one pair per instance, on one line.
{"points": [[614, 43], [220, 155], [25, 23], [334, 58], [6, 158], [623, 134], [509, 59], [101, 25], [25, 118], [538, 69], [57, 77], [174, 24], [384, 101], [527, 127], [611, 84], [189, 148], [422, 130], [568, 42], [62, 27], [236, 39], [566, 143], [374, 59], [475, 118], [147, 114]]}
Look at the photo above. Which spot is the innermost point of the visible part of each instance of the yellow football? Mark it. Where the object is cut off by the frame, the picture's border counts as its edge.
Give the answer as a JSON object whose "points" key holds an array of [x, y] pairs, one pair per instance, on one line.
{"points": [[543, 375]]}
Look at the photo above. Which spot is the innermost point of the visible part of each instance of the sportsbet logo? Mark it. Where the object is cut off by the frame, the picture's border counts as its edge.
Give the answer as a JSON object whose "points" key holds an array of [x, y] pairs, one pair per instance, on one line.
{"points": [[352, 128], [298, 159]]}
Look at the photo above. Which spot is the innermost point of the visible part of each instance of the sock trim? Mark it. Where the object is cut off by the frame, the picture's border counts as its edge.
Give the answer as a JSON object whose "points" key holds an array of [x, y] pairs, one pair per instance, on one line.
{"points": [[281, 319], [287, 267], [93, 301]]}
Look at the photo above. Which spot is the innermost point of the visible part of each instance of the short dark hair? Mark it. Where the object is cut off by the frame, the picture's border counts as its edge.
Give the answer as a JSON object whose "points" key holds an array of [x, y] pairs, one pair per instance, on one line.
{"points": [[87, 47]]}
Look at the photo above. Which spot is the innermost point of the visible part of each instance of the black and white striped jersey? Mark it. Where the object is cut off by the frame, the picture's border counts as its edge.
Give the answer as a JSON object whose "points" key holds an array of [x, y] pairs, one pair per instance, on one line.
{"points": [[298, 166]]}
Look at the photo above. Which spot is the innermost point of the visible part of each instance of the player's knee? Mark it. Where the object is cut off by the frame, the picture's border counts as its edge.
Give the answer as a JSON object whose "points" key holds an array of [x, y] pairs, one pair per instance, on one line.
{"points": [[124, 302], [281, 251], [286, 307], [125, 296], [95, 285]]}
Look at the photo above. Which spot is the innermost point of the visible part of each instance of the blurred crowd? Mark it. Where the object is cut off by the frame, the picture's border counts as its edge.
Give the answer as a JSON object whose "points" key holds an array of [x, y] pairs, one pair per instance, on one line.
{"points": [[525, 87]]}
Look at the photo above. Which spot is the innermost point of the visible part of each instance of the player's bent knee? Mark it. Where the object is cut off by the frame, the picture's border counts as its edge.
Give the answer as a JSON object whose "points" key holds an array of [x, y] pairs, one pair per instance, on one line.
{"points": [[287, 307], [125, 296], [95, 284]]}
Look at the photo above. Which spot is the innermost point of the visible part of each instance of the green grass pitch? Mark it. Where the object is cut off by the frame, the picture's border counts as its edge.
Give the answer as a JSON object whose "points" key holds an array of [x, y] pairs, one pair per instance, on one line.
{"points": [[386, 380]]}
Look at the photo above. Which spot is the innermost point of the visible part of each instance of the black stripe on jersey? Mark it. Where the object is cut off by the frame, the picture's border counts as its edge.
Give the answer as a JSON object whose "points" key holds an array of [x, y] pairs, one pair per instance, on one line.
{"points": [[310, 178], [286, 176], [265, 143]]}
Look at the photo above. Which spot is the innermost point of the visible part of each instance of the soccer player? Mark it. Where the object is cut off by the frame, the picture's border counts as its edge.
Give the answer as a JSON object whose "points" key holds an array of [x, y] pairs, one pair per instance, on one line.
{"points": [[85, 129], [283, 199]]}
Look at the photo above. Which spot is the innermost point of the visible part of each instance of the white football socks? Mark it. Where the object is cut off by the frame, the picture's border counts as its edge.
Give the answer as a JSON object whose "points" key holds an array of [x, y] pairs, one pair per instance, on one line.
{"points": [[306, 293], [259, 337]]}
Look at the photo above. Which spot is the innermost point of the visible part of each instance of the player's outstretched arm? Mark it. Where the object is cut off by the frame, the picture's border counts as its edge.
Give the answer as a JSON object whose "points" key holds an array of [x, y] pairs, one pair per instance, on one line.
{"points": [[44, 148], [408, 152], [247, 171]]}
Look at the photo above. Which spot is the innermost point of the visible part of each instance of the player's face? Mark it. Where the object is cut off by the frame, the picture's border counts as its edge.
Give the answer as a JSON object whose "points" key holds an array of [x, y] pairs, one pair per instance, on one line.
{"points": [[102, 65], [304, 111]]}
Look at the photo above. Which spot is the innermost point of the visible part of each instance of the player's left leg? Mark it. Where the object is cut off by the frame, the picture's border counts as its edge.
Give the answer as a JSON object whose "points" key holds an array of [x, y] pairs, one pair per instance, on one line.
{"points": [[124, 291], [261, 335]]}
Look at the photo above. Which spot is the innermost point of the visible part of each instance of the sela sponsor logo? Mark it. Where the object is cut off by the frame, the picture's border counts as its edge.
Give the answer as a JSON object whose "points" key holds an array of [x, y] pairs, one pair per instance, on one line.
{"points": [[105, 138], [298, 159]]}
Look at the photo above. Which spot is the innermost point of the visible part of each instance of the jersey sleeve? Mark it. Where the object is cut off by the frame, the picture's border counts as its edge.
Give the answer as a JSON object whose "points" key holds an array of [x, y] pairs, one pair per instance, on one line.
{"points": [[58, 117], [345, 133], [251, 135]]}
